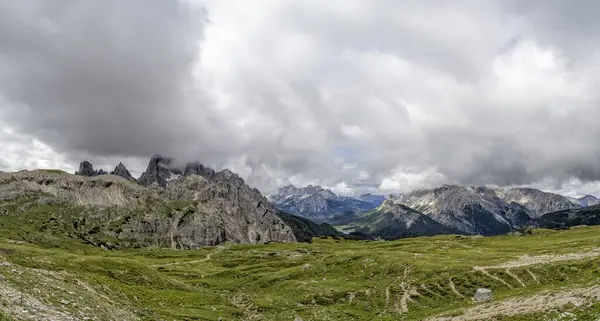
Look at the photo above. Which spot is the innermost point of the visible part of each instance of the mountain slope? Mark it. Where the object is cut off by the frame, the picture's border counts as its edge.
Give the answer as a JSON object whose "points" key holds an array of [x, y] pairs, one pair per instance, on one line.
{"points": [[188, 212], [573, 217], [317, 203], [471, 210], [537, 202], [394, 221]]}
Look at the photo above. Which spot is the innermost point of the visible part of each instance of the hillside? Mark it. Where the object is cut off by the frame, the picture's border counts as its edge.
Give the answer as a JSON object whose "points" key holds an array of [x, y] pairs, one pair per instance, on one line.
{"points": [[568, 218], [482, 210], [395, 221], [111, 211], [544, 276]]}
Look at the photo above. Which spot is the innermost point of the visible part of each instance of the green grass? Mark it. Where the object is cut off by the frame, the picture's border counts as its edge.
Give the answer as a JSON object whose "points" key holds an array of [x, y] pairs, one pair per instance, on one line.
{"points": [[268, 281], [347, 279], [4, 317]]}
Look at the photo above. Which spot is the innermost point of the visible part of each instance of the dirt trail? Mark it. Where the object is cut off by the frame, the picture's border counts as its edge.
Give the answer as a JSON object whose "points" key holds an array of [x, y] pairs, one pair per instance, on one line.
{"points": [[453, 288], [514, 276], [533, 276], [405, 286], [527, 260], [537, 303], [484, 271]]}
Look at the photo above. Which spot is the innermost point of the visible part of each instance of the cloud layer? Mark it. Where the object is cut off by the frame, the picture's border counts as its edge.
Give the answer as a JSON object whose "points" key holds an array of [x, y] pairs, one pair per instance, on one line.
{"points": [[355, 95]]}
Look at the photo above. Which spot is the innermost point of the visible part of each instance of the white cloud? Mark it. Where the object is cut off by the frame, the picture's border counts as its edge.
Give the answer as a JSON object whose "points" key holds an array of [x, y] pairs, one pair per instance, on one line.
{"points": [[348, 94]]}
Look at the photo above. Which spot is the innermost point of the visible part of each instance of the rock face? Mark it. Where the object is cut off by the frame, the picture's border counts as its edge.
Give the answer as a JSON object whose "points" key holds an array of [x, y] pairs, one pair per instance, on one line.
{"points": [[215, 212], [187, 212], [317, 203], [87, 169], [483, 295], [198, 169], [122, 171], [159, 171]]}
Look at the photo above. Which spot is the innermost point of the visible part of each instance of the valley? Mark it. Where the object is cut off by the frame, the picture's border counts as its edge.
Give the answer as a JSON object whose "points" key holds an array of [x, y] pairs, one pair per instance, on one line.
{"points": [[548, 274]]}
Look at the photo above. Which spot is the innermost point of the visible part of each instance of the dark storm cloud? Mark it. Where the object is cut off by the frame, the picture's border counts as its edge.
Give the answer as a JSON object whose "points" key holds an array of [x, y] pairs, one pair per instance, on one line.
{"points": [[103, 77], [362, 93]]}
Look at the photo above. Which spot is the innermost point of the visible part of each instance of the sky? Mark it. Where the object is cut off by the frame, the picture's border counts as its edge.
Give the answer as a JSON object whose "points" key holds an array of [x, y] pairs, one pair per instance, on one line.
{"points": [[360, 96]]}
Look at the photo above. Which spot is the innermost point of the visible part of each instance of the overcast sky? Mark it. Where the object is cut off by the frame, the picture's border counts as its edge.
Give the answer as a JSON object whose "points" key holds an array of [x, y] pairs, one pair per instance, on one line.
{"points": [[383, 95]]}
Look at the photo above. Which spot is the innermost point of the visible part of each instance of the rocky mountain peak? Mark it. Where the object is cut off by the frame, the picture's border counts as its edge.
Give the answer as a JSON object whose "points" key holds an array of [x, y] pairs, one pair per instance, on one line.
{"points": [[159, 171], [195, 168], [87, 169], [587, 200], [122, 171], [316, 202]]}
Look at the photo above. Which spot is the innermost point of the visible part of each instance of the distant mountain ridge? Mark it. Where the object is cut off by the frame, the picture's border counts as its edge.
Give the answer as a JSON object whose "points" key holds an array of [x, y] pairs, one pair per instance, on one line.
{"points": [[393, 221], [483, 210], [376, 200], [588, 200], [317, 203]]}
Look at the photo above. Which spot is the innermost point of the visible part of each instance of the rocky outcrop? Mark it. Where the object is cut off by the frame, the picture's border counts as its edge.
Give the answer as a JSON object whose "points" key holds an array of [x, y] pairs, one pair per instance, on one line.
{"points": [[196, 168], [122, 171], [87, 169], [159, 171], [188, 212], [213, 212]]}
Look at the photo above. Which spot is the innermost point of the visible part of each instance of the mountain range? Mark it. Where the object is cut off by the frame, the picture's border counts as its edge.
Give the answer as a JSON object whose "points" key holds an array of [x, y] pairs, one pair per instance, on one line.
{"points": [[442, 210], [166, 206], [189, 205], [319, 204]]}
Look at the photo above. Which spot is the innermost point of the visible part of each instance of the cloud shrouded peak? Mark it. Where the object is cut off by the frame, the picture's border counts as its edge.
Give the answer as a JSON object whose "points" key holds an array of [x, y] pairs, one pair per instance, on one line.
{"points": [[352, 95]]}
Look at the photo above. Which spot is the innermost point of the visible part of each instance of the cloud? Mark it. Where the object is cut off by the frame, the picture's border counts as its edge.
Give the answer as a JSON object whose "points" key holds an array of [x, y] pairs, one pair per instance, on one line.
{"points": [[353, 95]]}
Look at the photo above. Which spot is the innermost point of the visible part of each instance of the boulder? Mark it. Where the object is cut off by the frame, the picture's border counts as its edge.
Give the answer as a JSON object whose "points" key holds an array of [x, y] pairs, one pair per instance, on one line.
{"points": [[483, 295]]}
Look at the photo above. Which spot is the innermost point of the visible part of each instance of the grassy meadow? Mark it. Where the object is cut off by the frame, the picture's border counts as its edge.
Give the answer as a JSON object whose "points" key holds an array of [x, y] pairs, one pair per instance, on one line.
{"points": [[328, 279]]}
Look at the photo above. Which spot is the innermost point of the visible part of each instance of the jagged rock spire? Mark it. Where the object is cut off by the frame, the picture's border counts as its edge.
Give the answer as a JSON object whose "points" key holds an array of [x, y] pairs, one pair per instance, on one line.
{"points": [[122, 171], [87, 169], [158, 171]]}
